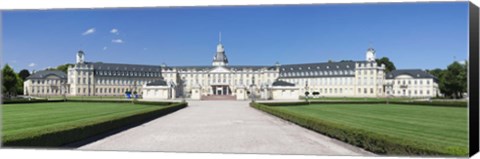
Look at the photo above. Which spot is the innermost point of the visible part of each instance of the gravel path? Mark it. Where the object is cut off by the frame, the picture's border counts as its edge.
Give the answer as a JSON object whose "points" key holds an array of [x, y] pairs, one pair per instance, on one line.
{"points": [[223, 127]]}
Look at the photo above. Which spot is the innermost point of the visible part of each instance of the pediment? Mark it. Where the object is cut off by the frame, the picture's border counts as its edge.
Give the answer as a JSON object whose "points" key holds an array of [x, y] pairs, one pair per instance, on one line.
{"points": [[220, 69]]}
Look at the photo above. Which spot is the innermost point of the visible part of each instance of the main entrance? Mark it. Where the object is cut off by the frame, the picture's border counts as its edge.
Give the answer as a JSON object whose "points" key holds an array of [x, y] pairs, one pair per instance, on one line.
{"points": [[221, 90]]}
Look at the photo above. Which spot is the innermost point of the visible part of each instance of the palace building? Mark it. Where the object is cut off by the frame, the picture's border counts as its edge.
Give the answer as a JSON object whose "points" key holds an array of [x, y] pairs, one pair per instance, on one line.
{"points": [[363, 78]]}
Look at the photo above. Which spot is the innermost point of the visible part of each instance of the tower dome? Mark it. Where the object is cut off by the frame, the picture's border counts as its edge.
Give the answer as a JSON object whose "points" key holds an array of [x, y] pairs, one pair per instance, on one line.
{"points": [[220, 59], [370, 56], [220, 48], [80, 57]]}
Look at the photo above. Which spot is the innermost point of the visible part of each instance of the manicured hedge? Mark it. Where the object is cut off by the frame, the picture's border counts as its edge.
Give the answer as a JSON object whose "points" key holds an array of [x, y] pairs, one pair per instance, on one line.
{"points": [[425, 103], [436, 103], [376, 143], [122, 101], [62, 137], [29, 101], [320, 102]]}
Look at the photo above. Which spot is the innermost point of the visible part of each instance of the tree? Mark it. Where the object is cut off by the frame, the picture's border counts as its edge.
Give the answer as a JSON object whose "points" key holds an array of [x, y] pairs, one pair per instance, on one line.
{"points": [[19, 87], [452, 81], [64, 67], [23, 74], [10, 81], [389, 65]]}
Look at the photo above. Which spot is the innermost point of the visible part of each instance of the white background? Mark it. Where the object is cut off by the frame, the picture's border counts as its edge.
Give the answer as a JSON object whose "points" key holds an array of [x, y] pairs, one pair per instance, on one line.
{"points": [[71, 154]]}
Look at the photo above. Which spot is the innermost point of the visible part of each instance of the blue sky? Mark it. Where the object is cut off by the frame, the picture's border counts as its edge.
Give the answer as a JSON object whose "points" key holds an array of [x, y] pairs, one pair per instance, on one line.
{"points": [[412, 35]]}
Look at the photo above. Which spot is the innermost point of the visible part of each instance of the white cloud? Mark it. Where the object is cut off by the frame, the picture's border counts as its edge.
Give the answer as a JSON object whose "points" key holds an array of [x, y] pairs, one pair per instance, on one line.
{"points": [[32, 64], [105, 48], [89, 31], [117, 41], [114, 31]]}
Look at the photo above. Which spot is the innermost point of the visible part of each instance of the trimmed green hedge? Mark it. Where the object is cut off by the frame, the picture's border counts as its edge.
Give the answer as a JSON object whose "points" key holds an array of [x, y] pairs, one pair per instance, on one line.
{"points": [[122, 101], [75, 134], [436, 103], [29, 101], [424, 103], [320, 102], [377, 143]]}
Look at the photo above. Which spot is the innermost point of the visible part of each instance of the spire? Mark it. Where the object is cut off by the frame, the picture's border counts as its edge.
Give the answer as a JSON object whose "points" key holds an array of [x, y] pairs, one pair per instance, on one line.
{"points": [[219, 37]]}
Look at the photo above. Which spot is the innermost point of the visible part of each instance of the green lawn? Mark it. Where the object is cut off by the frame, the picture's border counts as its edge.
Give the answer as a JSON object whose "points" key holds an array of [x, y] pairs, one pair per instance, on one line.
{"points": [[445, 128], [24, 120]]}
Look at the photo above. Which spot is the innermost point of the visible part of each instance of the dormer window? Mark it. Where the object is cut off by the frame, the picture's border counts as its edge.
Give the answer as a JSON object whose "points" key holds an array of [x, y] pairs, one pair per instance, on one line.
{"points": [[328, 67]]}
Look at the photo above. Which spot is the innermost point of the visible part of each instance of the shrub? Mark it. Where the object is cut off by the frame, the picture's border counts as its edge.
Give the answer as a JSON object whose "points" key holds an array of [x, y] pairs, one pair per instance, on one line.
{"points": [[435, 103], [17, 101]]}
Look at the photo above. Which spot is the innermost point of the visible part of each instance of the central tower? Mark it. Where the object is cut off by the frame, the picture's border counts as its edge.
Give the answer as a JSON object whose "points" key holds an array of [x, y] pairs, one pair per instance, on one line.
{"points": [[220, 59]]}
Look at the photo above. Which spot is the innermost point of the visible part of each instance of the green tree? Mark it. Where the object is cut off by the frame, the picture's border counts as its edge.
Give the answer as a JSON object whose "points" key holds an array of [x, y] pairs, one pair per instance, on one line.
{"points": [[64, 67], [455, 80], [19, 87], [10, 81], [389, 65], [440, 75], [23, 74]]}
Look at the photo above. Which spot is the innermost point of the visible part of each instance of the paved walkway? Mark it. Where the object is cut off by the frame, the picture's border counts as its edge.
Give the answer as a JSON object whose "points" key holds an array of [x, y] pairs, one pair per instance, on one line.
{"points": [[223, 127]]}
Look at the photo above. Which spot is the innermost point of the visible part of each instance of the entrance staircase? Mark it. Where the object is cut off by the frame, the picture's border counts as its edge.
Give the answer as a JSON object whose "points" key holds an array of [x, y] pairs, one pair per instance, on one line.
{"points": [[219, 97]]}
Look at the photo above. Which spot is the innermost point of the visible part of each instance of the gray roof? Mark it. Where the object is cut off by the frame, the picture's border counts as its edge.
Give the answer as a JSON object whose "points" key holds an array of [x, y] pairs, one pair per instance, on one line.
{"points": [[325, 69], [237, 67], [157, 83], [415, 73], [282, 83], [46, 73], [125, 67], [220, 55], [125, 70]]}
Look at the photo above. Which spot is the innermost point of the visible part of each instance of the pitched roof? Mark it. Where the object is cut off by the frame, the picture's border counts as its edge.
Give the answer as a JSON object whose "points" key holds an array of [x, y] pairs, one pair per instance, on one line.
{"points": [[415, 73], [324, 69], [157, 83], [234, 67], [46, 73], [124, 67], [282, 83]]}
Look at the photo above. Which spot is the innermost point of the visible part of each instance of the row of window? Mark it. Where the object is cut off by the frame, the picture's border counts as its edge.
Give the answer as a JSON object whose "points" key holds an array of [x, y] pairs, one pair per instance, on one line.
{"points": [[317, 73], [106, 90], [414, 81], [127, 73], [368, 91], [49, 81], [113, 81], [322, 81], [409, 92], [317, 67], [366, 72], [47, 90]]}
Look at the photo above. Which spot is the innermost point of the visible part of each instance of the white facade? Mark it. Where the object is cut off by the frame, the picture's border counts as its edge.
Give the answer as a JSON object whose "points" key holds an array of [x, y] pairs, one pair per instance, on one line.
{"points": [[328, 79], [156, 92], [406, 85], [46, 83]]}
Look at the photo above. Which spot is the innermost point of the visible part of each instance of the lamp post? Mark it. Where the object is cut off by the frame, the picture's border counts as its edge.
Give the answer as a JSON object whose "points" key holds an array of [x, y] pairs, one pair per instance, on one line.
{"points": [[183, 89], [306, 91], [64, 90]]}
